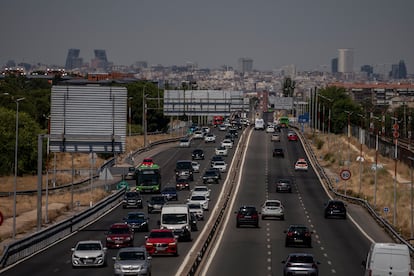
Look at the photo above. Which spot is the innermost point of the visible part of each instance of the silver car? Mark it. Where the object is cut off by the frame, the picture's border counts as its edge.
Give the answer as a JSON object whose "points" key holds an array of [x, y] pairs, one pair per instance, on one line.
{"points": [[89, 253], [132, 261], [300, 264], [273, 208]]}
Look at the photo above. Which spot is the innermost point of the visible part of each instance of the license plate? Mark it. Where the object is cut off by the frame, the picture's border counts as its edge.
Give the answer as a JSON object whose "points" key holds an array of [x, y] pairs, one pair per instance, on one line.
{"points": [[118, 242], [298, 240], [160, 248], [247, 216]]}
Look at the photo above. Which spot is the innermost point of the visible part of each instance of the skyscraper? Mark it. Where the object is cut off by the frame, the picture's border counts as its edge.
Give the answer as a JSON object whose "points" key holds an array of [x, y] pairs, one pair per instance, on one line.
{"points": [[334, 65], [345, 60], [73, 60], [100, 61], [245, 65], [398, 71]]}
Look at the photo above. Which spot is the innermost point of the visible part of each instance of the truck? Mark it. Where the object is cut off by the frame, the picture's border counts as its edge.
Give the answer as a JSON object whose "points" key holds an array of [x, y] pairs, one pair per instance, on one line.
{"points": [[259, 124], [148, 178], [177, 218], [218, 120]]}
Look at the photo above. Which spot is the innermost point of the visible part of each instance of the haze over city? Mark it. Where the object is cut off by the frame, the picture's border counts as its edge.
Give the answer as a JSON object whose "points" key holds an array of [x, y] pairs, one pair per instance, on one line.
{"points": [[211, 33]]}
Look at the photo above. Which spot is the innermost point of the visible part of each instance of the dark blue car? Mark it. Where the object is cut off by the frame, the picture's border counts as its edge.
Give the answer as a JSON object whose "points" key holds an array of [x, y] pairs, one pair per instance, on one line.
{"points": [[170, 193], [137, 220]]}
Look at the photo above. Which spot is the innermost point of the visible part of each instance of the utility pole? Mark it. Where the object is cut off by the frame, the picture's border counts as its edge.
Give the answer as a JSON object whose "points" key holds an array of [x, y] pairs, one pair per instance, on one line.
{"points": [[395, 134]]}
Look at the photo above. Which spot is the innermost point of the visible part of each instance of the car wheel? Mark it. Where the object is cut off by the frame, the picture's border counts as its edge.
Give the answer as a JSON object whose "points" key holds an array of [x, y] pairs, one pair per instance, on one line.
{"points": [[263, 217], [286, 244], [282, 218], [237, 225]]}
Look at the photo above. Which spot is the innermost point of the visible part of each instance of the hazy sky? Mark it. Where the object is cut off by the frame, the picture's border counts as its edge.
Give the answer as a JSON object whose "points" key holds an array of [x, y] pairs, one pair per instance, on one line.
{"points": [[212, 33]]}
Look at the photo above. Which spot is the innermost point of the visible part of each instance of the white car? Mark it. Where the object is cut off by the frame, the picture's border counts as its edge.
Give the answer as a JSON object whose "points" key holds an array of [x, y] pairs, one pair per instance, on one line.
{"points": [[205, 129], [201, 199], [270, 129], [198, 134], [197, 210], [227, 143], [222, 151], [301, 165], [89, 253], [273, 208], [210, 138], [184, 143], [222, 127], [201, 190], [196, 166], [220, 165]]}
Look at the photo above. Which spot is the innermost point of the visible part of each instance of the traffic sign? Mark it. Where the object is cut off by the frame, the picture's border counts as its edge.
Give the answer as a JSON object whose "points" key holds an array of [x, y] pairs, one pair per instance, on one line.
{"points": [[395, 127], [396, 134], [345, 174], [386, 209], [1, 218]]}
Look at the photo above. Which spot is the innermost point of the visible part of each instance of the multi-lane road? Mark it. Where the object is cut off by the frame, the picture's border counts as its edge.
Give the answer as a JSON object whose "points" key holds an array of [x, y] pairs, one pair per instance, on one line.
{"points": [[338, 244]]}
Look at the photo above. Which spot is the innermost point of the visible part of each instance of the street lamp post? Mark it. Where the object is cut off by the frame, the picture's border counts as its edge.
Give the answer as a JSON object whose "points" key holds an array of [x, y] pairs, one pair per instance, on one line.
{"points": [[395, 127], [130, 114], [411, 200], [144, 113], [361, 158], [376, 163], [349, 136], [15, 167]]}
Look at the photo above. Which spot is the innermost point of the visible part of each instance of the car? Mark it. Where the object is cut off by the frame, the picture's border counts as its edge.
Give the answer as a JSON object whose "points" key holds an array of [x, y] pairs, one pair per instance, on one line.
{"points": [[292, 136], [196, 166], [273, 208], [138, 221], [298, 234], [220, 165], [184, 143], [300, 264], [197, 154], [275, 137], [170, 193], [182, 183], [196, 209], [221, 151], [161, 242], [229, 137], [283, 185], [130, 173], [210, 138], [222, 127], [132, 199], [211, 176], [184, 169], [205, 129], [89, 253], [216, 158], [247, 215], [227, 143], [147, 162], [335, 208], [132, 261], [155, 203], [198, 134], [301, 165], [119, 235], [199, 198], [201, 190], [278, 152], [270, 129], [233, 132]]}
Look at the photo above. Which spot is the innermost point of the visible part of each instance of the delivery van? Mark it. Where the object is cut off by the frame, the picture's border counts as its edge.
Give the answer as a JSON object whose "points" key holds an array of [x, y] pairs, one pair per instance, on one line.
{"points": [[177, 217], [386, 259]]}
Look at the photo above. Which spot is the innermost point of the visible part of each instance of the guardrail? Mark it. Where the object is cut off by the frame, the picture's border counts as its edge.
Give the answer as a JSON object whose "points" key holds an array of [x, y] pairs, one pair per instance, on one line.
{"points": [[328, 182], [27, 246]]}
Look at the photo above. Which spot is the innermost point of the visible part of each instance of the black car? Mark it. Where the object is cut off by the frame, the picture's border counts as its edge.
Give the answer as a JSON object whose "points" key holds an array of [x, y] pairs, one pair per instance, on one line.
{"points": [[211, 176], [184, 168], [283, 185], [182, 184], [216, 158], [230, 137], [155, 203], [170, 193], [298, 234], [137, 220], [278, 152], [335, 208], [132, 199], [198, 154], [247, 215], [233, 132]]}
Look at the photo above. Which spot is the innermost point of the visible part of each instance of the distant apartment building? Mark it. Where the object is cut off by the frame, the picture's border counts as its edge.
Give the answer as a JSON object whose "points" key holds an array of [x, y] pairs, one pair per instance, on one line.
{"points": [[345, 60], [73, 60], [245, 65]]}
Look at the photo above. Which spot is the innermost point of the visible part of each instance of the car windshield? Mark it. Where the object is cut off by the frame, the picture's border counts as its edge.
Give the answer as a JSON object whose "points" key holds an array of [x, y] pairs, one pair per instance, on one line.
{"points": [[210, 173], [174, 218], [196, 197], [131, 255], [200, 189], [136, 216], [284, 181], [131, 195], [88, 247], [158, 199], [169, 190], [194, 206], [298, 229], [272, 204], [122, 230], [247, 211], [301, 259], [183, 165], [161, 234]]}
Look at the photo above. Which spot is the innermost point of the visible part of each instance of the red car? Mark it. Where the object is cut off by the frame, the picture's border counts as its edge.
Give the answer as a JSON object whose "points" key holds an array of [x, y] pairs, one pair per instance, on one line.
{"points": [[162, 242], [147, 162], [119, 235], [292, 137]]}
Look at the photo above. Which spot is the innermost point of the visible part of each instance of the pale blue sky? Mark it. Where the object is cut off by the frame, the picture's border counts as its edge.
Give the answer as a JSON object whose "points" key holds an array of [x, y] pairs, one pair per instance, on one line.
{"points": [[212, 33]]}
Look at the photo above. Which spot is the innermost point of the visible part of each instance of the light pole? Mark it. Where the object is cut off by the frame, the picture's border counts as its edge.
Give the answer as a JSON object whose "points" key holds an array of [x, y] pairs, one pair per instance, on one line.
{"points": [[361, 158], [395, 127], [329, 114], [15, 167], [130, 114], [349, 136], [376, 163], [411, 199], [144, 113]]}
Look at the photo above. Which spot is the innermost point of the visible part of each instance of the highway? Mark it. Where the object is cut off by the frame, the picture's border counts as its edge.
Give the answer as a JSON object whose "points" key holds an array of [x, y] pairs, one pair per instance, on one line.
{"points": [[337, 243]]}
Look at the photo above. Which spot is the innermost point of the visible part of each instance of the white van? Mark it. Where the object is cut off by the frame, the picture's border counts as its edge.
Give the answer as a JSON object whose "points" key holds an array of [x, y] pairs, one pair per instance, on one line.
{"points": [[385, 259], [177, 217]]}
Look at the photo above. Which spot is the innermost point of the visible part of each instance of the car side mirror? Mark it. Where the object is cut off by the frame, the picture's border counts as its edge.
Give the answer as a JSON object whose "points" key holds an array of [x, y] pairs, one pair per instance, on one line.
{"points": [[149, 258], [72, 249]]}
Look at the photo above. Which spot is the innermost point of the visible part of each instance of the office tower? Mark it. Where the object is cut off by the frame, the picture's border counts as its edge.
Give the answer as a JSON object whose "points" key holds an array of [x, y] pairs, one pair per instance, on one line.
{"points": [[100, 61], [73, 60], [368, 69], [245, 65], [402, 70], [345, 60], [334, 65]]}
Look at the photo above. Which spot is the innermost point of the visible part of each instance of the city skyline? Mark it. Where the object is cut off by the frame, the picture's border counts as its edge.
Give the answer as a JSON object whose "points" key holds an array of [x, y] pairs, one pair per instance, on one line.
{"points": [[273, 34]]}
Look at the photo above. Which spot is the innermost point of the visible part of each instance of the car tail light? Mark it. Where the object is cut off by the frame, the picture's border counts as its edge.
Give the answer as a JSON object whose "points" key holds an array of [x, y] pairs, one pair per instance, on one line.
{"points": [[288, 264], [314, 266], [148, 244], [307, 234], [254, 216], [290, 234], [240, 216]]}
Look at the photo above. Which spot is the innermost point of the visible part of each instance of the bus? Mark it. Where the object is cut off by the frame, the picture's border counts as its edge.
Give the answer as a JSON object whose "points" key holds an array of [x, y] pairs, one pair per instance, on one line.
{"points": [[284, 121], [148, 179]]}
